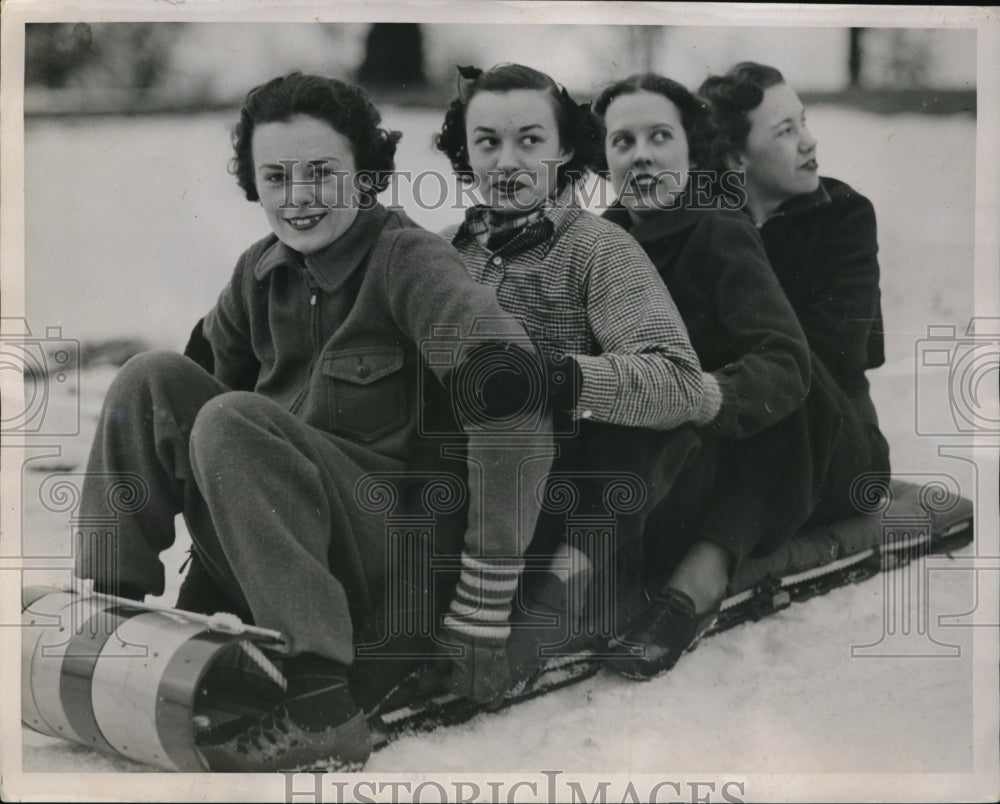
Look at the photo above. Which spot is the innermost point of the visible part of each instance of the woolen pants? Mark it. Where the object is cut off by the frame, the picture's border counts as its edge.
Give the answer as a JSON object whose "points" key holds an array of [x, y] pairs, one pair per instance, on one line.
{"points": [[268, 501]]}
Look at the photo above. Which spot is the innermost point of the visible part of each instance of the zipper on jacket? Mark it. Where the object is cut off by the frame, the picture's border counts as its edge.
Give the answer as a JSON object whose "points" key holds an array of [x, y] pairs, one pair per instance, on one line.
{"points": [[315, 331]]}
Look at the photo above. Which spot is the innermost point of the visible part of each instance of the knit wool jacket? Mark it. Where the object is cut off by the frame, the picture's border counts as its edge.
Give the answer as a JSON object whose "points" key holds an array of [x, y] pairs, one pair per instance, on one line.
{"points": [[341, 338], [336, 336], [583, 288]]}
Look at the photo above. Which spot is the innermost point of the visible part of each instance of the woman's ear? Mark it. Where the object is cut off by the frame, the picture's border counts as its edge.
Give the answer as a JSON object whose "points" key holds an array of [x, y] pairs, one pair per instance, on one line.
{"points": [[734, 161]]}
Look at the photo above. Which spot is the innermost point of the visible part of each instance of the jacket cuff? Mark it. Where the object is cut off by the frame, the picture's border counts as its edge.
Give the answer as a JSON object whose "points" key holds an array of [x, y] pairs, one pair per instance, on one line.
{"points": [[598, 389], [711, 401], [720, 390], [481, 606]]}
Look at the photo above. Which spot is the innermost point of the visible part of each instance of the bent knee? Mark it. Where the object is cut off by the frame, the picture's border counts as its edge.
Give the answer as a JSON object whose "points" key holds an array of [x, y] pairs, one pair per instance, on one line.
{"points": [[147, 369], [224, 417]]}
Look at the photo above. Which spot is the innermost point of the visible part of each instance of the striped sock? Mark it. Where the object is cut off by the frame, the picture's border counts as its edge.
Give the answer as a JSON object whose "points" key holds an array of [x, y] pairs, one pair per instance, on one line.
{"points": [[482, 602]]}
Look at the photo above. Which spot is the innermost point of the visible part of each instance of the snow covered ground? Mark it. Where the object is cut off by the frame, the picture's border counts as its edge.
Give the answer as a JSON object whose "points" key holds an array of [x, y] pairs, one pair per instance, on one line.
{"points": [[133, 226]]}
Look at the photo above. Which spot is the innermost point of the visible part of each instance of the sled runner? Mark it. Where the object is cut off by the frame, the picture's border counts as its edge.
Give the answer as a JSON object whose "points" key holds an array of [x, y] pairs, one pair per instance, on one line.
{"points": [[151, 684]]}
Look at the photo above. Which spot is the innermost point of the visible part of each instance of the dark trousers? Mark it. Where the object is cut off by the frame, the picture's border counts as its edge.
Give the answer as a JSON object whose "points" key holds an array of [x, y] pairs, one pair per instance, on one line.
{"points": [[860, 448], [268, 501], [605, 483], [752, 495]]}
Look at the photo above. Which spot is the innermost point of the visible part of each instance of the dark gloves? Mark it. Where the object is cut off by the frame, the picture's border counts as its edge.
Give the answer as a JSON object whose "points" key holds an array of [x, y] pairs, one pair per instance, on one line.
{"points": [[481, 672], [563, 381], [500, 384]]}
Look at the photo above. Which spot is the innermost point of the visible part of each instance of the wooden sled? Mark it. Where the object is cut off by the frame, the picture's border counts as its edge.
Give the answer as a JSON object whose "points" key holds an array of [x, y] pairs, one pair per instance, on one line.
{"points": [[145, 682]]}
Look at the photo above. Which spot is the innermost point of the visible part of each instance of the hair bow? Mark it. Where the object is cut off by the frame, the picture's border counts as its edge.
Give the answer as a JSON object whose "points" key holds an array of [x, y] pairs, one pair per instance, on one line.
{"points": [[469, 73], [565, 98]]}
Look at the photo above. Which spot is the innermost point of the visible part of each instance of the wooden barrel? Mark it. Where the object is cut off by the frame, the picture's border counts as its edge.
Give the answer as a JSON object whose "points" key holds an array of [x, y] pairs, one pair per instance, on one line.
{"points": [[119, 676]]}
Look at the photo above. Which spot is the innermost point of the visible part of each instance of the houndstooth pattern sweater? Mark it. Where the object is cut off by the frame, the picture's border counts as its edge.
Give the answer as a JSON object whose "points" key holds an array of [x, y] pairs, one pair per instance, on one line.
{"points": [[584, 288]]}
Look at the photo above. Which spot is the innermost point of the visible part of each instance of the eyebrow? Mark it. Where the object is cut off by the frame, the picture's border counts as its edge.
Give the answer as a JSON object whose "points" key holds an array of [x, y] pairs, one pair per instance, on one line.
{"points": [[326, 160], [648, 127], [489, 130]]}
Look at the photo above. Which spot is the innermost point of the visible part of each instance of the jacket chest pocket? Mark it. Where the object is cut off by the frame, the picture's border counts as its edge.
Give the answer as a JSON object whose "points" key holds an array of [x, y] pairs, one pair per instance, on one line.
{"points": [[366, 391]]}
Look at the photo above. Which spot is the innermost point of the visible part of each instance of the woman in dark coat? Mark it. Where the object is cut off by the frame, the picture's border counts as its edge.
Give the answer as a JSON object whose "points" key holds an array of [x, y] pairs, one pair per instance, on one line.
{"points": [[820, 237], [752, 483]]}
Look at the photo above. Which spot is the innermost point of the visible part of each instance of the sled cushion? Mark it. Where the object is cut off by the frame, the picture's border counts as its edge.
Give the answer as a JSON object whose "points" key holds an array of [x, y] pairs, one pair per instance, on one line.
{"points": [[909, 509]]}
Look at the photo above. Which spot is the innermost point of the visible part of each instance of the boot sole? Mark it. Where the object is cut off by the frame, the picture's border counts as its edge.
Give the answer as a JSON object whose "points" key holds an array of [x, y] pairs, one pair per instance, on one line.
{"points": [[350, 750], [356, 735], [629, 671]]}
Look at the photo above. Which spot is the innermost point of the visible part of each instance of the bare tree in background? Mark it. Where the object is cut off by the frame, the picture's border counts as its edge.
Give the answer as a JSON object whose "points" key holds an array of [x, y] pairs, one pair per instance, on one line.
{"points": [[394, 56], [124, 55], [911, 58], [855, 56], [55, 53], [643, 46]]}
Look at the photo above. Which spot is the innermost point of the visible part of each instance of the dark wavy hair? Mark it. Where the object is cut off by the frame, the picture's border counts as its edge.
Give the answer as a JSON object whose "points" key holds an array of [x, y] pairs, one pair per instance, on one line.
{"points": [[578, 130], [696, 117], [344, 107], [732, 96]]}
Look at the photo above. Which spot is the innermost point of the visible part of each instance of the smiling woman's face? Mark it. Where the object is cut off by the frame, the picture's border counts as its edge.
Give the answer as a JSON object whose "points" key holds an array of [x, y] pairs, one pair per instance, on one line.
{"points": [[647, 151], [514, 148], [780, 153], [304, 170]]}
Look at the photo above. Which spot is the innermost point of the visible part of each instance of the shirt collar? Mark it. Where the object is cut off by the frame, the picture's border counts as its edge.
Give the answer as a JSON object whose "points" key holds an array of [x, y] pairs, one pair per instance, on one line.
{"points": [[654, 226], [334, 264], [801, 203]]}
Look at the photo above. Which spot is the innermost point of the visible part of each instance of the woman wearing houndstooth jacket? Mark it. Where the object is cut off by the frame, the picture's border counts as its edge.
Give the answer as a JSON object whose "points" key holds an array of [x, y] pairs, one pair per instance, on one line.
{"points": [[584, 290]]}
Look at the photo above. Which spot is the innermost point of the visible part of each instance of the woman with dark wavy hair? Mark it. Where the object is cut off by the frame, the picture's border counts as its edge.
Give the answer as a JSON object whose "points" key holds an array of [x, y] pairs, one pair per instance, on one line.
{"points": [[314, 357], [750, 486], [820, 236], [588, 296]]}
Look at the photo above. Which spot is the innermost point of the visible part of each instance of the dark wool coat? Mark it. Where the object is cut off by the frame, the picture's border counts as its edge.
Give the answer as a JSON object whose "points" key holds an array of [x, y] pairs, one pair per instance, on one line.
{"points": [[823, 249], [754, 482]]}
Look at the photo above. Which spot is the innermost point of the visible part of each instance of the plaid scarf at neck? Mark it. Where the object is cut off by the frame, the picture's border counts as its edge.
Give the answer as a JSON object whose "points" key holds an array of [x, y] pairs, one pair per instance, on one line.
{"points": [[493, 230]]}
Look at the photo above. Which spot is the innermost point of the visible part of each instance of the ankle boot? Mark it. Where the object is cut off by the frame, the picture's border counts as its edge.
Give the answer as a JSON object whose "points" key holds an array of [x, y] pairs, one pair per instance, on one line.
{"points": [[317, 726]]}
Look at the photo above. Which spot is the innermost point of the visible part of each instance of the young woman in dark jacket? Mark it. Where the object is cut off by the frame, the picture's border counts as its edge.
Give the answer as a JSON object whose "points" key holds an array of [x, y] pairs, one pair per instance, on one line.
{"points": [[287, 458], [820, 237], [752, 483]]}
